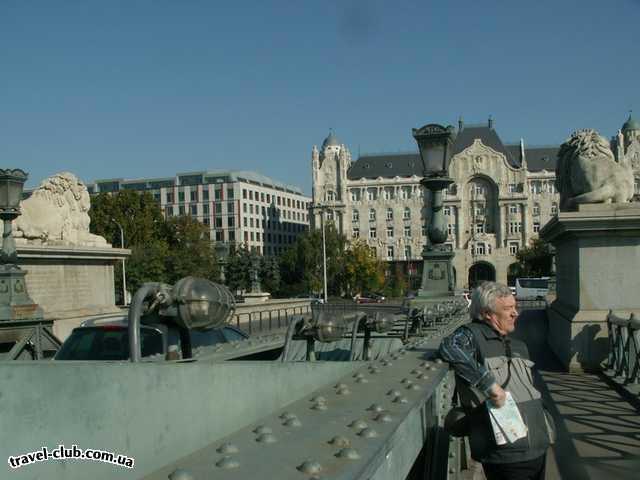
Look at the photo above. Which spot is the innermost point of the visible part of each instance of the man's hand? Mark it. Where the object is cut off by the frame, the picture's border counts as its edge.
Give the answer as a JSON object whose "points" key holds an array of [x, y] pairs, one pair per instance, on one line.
{"points": [[497, 395]]}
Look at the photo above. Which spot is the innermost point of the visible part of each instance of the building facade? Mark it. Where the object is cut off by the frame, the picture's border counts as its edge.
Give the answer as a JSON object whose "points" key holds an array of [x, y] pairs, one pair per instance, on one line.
{"points": [[239, 207], [501, 196]]}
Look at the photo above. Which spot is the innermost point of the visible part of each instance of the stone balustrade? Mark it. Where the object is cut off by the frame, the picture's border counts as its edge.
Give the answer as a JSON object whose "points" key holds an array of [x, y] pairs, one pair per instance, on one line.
{"points": [[624, 346]]}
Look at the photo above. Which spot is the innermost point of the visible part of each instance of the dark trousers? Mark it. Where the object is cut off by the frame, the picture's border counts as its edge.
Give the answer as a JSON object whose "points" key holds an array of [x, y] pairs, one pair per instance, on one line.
{"points": [[529, 470]]}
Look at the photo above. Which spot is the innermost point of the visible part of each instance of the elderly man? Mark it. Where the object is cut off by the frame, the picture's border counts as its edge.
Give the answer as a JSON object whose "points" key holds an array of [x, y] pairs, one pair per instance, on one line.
{"points": [[487, 364]]}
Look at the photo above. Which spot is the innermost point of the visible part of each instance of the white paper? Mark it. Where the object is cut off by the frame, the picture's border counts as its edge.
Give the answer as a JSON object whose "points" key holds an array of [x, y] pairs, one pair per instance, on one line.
{"points": [[506, 421]]}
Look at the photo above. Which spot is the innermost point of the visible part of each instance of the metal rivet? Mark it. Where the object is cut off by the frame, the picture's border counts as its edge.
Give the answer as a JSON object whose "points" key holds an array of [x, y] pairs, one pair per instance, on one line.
{"points": [[292, 422], [452, 470], [228, 463], [368, 433], [373, 370], [358, 375], [413, 387], [406, 381], [415, 371], [319, 406], [262, 429], [362, 380], [387, 363], [343, 391], [348, 453], [375, 408], [359, 424], [438, 361], [319, 399], [425, 364], [310, 467], [393, 393], [400, 400], [181, 474], [340, 385], [288, 416], [384, 418], [340, 441], [227, 448], [266, 438], [424, 376]]}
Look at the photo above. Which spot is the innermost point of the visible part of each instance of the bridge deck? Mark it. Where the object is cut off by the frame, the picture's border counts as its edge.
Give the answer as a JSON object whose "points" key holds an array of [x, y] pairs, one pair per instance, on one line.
{"points": [[598, 424]]}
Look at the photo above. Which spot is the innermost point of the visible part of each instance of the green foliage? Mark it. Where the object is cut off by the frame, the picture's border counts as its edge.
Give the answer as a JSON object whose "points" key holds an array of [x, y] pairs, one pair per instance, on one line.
{"points": [[238, 269], [270, 275], [533, 261], [397, 283], [190, 252], [362, 270]]}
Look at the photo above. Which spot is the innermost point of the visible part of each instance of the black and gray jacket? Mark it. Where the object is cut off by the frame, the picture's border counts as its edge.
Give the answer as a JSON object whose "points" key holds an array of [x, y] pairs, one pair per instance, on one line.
{"points": [[480, 356]]}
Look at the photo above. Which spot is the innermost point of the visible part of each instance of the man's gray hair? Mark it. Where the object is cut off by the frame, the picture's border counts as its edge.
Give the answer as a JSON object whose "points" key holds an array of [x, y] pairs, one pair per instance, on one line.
{"points": [[484, 298]]}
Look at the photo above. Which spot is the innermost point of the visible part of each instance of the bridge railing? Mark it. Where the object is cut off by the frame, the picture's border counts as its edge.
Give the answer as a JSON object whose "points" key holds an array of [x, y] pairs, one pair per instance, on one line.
{"points": [[624, 346], [255, 319]]}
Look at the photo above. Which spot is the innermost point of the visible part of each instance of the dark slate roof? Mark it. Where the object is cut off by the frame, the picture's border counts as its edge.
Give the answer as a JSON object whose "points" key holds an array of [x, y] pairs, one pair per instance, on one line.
{"points": [[487, 136], [538, 158], [391, 165], [630, 124], [408, 164]]}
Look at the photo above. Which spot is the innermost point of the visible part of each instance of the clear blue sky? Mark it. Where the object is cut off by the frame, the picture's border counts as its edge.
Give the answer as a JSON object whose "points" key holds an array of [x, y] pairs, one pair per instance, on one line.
{"points": [[141, 88]]}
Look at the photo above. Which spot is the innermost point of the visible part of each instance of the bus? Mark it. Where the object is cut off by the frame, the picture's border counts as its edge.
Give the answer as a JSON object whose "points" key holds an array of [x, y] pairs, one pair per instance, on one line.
{"points": [[529, 288]]}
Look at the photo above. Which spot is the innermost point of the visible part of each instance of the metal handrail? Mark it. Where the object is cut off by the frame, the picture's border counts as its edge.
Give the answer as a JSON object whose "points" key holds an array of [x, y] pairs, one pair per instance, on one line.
{"points": [[624, 346], [268, 319]]}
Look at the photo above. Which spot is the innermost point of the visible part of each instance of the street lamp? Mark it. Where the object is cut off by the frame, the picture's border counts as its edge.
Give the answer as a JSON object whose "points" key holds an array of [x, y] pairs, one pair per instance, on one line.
{"points": [[324, 257], [434, 142], [124, 274], [15, 303]]}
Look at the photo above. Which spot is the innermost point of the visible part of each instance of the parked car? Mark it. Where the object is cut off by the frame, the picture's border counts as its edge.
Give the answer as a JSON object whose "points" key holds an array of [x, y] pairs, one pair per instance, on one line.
{"points": [[369, 298], [108, 339], [315, 298]]}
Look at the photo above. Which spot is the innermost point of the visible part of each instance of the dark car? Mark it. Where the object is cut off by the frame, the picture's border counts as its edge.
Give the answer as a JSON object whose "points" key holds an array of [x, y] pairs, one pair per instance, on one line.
{"points": [[108, 339], [369, 298]]}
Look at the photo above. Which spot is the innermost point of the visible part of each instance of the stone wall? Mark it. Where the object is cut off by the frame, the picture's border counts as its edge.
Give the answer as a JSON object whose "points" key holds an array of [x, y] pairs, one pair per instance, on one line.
{"points": [[70, 283]]}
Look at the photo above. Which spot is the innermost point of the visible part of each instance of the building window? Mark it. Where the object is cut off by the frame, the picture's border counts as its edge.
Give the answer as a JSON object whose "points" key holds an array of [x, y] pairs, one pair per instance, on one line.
{"points": [[205, 209], [244, 193], [372, 232], [424, 229], [554, 209], [219, 236], [371, 194], [206, 221], [512, 188], [406, 214], [536, 227], [246, 221], [479, 228], [447, 211], [355, 195], [229, 193], [355, 216], [389, 214], [513, 248], [515, 227], [217, 194], [205, 194], [389, 232], [231, 222], [513, 208], [452, 190], [194, 210], [388, 193], [390, 252], [181, 196], [218, 222], [405, 193], [536, 209], [372, 215], [168, 211], [181, 210], [479, 189], [245, 207], [451, 228], [355, 233], [535, 188], [331, 196], [407, 231], [193, 195], [407, 252], [479, 249]]}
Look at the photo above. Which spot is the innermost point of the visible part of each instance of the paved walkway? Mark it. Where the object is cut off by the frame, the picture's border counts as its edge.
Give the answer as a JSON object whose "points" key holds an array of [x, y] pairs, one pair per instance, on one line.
{"points": [[598, 424]]}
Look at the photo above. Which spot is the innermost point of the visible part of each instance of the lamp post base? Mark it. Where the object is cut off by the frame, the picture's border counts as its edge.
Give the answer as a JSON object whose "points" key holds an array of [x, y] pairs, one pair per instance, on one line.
{"points": [[15, 303], [437, 275]]}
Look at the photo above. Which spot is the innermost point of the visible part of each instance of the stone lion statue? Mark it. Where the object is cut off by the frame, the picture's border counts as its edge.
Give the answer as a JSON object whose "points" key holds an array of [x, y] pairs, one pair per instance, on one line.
{"points": [[587, 172], [56, 213]]}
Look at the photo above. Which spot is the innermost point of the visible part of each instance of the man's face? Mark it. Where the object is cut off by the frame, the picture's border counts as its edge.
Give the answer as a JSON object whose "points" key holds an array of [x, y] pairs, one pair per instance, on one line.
{"points": [[503, 320]]}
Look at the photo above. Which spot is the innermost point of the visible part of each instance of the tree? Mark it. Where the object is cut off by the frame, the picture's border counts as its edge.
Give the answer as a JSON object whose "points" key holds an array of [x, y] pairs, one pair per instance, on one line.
{"points": [[237, 270], [190, 251], [535, 260], [270, 275], [362, 270]]}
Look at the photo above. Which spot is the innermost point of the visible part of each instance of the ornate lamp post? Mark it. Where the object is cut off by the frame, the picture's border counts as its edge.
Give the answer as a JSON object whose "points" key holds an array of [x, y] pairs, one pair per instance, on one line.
{"points": [[434, 142], [15, 303]]}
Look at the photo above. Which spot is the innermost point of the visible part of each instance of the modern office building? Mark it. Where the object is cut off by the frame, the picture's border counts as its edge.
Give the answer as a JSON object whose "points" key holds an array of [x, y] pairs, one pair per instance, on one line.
{"points": [[240, 207], [502, 195]]}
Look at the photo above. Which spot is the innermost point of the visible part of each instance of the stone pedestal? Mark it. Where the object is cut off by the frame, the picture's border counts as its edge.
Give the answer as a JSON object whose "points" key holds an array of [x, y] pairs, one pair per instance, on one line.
{"points": [[597, 263], [70, 284]]}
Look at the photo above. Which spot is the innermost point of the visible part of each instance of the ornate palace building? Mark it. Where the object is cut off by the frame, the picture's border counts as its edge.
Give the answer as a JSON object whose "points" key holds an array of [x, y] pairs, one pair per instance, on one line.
{"points": [[503, 194]]}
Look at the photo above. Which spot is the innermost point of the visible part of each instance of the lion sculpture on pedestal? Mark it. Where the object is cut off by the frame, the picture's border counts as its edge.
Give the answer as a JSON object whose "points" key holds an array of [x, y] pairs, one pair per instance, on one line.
{"points": [[587, 172], [56, 213]]}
